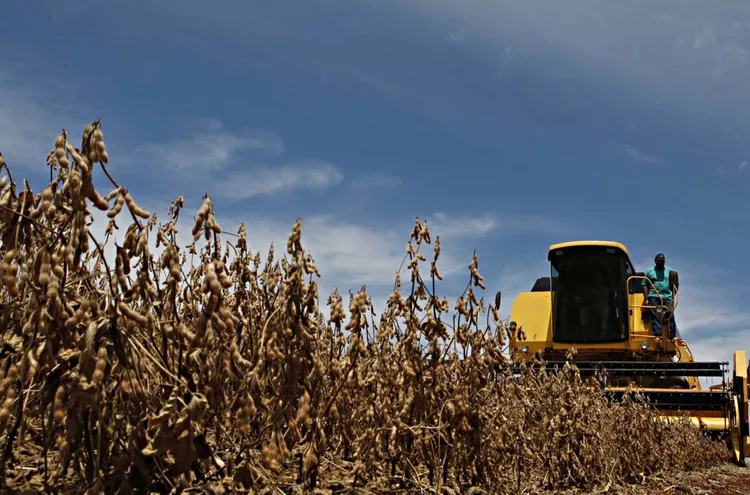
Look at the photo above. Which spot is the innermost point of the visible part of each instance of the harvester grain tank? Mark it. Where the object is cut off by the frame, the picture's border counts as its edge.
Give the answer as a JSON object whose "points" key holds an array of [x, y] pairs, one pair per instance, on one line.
{"points": [[593, 300]]}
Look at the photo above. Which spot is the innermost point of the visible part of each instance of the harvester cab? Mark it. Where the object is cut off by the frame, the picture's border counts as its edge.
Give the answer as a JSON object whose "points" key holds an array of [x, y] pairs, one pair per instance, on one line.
{"points": [[591, 306]]}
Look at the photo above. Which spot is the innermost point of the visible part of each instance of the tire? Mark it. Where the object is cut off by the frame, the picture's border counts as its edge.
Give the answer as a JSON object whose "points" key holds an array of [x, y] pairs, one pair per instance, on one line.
{"points": [[736, 439]]}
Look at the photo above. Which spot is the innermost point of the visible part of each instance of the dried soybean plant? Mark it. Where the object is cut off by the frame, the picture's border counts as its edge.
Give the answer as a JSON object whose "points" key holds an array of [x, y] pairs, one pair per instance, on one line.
{"points": [[146, 371]]}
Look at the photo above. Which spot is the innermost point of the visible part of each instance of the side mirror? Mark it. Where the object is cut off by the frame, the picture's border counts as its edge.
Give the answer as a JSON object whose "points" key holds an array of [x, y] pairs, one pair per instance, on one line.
{"points": [[498, 298]]}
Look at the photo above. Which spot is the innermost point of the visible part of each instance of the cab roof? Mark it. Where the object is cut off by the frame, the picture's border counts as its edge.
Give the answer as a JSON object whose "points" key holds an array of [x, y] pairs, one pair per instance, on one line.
{"points": [[589, 243], [611, 244]]}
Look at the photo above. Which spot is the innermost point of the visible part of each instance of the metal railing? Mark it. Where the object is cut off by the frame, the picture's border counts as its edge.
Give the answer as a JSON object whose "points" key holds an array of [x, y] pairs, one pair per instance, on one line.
{"points": [[661, 306]]}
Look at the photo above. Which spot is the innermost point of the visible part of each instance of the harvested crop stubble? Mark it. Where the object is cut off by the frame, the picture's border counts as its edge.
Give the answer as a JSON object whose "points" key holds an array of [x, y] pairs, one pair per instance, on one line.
{"points": [[151, 373]]}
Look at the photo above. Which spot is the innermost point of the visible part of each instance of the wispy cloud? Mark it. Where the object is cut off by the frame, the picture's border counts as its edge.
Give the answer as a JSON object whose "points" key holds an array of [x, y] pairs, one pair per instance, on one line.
{"points": [[480, 224], [458, 226], [637, 156], [507, 59], [235, 164], [212, 149], [264, 179], [743, 164], [457, 38]]}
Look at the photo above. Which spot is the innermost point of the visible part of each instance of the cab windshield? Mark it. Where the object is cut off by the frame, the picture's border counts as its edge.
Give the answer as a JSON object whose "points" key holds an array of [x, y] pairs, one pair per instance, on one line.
{"points": [[589, 294]]}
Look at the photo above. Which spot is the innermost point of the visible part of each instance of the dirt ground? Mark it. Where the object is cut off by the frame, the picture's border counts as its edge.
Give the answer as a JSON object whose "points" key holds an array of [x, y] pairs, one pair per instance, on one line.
{"points": [[723, 480], [25, 478]]}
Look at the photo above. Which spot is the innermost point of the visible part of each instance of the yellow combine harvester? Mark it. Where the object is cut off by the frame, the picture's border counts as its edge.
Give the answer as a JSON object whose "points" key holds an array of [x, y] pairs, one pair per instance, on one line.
{"points": [[610, 334]]}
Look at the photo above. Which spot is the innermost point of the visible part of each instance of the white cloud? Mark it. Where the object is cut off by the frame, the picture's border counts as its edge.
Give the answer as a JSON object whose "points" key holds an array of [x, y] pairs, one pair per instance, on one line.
{"points": [[212, 149], [468, 225], [227, 164], [637, 156], [457, 38], [507, 59], [446, 226], [743, 164], [215, 125], [736, 52], [261, 180], [706, 38]]}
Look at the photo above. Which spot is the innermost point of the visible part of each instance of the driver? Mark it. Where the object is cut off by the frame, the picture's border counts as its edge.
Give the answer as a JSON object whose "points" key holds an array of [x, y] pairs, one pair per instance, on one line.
{"points": [[663, 279]]}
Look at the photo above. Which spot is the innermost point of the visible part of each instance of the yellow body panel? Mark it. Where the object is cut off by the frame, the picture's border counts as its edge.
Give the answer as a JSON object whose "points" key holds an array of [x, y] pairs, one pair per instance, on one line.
{"points": [[563, 245], [537, 310]]}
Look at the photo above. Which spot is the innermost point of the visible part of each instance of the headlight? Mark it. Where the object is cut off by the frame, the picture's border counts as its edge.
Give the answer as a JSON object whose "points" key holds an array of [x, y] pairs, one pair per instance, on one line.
{"points": [[644, 345], [525, 348]]}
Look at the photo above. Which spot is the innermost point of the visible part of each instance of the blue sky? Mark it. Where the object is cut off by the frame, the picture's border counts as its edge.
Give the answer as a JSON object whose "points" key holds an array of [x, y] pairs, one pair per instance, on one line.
{"points": [[508, 125]]}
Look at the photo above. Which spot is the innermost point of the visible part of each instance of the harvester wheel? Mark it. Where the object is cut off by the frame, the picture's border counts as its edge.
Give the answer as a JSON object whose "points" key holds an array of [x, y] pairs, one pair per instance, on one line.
{"points": [[740, 389], [738, 441]]}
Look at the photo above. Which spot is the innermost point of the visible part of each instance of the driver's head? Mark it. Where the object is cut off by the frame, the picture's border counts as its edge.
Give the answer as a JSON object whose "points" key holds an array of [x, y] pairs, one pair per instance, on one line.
{"points": [[659, 260]]}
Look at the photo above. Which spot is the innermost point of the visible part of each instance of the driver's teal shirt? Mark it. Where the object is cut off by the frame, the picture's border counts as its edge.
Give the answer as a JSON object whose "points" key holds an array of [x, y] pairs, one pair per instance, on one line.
{"points": [[660, 278]]}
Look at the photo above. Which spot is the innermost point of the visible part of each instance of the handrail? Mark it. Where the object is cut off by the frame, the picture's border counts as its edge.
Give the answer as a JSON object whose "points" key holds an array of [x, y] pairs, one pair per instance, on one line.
{"points": [[643, 277], [661, 299]]}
